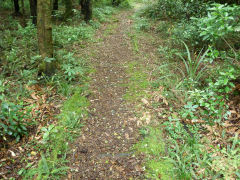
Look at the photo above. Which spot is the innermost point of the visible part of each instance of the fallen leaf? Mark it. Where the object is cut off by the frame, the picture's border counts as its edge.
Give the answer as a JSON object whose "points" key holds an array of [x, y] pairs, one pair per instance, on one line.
{"points": [[147, 117], [12, 153], [145, 101], [33, 95], [33, 153]]}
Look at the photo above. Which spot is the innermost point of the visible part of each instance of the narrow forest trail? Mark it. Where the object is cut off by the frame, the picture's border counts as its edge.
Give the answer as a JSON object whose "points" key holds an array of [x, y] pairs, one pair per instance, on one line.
{"points": [[104, 149]]}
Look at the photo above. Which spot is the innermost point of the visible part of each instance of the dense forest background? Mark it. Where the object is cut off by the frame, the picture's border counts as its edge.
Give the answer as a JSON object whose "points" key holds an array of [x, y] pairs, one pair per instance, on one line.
{"points": [[194, 82]]}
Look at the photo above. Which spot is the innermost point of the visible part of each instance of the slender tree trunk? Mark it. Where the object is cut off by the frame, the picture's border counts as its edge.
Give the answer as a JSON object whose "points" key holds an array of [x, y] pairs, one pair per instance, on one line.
{"points": [[55, 6], [44, 29], [86, 9], [81, 2], [23, 8], [68, 8], [16, 7], [33, 11], [116, 2]]}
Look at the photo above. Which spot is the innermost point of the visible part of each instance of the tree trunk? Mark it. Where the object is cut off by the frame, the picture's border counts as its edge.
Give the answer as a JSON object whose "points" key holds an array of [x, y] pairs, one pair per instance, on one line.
{"points": [[55, 6], [16, 7], [68, 8], [116, 2], [33, 11], [23, 8], [86, 9], [81, 2], [45, 44]]}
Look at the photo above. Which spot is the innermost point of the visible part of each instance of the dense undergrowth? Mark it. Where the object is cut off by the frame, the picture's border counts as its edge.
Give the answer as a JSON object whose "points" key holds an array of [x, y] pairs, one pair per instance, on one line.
{"points": [[197, 76], [33, 118]]}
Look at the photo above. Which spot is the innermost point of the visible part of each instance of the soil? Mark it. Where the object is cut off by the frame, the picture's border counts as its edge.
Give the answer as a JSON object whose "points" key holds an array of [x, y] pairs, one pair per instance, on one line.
{"points": [[104, 150]]}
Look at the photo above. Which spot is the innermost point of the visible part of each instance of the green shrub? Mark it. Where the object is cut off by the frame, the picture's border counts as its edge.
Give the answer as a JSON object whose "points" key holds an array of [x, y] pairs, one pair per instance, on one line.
{"points": [[222, 21], [175, 9], [6, 4], [18, 48], [102, 14], [142, 24], [194, 8], [219, 26], [13, 120], [74, 34], [72, 67], [209, 103], [101, 3], [166, 9], [125, 4], [188, 32]]}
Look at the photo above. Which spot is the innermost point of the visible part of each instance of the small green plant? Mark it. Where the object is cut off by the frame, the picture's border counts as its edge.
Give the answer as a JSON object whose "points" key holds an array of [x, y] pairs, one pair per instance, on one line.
{"points": [[45, 170], [228, 163], [210, 101], [47, 132], [71, 72], [212, 54], [2, 89], [76, 33], [142, 24], [72, 67], [189, 110], [185, 150], [13, 120], [167, 52], [193, 65], [102, 14]]}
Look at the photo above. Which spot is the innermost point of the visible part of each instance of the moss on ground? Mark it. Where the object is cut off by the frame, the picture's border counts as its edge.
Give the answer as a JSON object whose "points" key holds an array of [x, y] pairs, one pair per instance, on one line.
{"points": [[138, 82], [157, 165]]}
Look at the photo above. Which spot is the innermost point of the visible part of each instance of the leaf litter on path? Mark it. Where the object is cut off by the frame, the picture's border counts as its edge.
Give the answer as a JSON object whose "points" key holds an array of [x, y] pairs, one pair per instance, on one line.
{"points": [[104, 149]]}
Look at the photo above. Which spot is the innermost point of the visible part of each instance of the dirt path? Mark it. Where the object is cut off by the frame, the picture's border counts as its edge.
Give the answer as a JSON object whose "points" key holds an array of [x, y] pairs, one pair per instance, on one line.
{"points": [[104, 149]]}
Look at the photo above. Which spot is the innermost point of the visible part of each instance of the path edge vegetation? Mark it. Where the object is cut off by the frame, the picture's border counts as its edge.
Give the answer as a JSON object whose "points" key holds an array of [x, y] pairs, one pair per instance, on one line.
{"points": [[53, 162], [152, 144], [190, 145], [156, 164]]}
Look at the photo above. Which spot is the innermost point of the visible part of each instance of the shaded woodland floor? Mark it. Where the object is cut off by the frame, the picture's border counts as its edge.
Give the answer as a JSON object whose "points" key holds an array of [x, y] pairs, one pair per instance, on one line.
{"points": [[105, 148], [117, 107]]}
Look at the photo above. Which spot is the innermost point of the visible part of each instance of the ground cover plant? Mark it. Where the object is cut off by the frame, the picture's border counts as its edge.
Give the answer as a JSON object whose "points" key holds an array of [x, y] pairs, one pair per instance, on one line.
{"points": [[31, 121], [197, 73]]}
